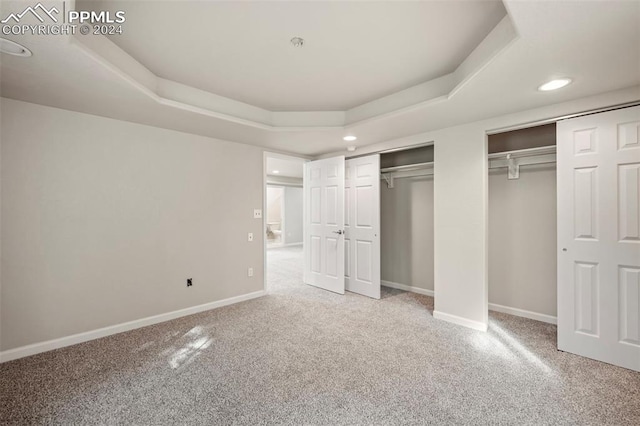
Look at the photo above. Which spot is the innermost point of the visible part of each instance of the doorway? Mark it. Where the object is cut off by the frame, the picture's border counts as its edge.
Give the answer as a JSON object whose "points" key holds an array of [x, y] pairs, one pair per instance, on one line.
{"points": [[407, 220], [283, 226], [522, 223]]}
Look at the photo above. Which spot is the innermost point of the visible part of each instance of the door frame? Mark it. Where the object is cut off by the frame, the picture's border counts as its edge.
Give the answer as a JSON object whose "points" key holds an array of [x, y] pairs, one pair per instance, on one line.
{"points": [[265, 155]]}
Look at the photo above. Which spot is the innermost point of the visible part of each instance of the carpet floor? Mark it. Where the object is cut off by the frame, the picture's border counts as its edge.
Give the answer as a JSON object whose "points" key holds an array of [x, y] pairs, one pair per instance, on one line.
{"points": [[301, 355]]}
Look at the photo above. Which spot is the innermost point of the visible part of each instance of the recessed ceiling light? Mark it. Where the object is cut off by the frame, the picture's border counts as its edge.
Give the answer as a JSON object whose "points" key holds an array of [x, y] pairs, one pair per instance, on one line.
{"points": [[275, 172], [350, 138], [554, 84], [351, 148], [13, 48], [297, 42]]}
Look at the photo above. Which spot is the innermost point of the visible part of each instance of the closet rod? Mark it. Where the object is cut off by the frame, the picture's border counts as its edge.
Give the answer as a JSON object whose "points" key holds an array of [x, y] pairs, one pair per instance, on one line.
{"points": [[409, 174], [525, 161], [407, 167], [528, 152]]}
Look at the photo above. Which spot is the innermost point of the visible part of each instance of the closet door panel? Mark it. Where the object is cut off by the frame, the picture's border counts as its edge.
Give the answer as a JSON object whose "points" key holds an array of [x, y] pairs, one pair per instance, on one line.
{"points": [[629, 202], [363, 230], [599, 236], [324, 258]]}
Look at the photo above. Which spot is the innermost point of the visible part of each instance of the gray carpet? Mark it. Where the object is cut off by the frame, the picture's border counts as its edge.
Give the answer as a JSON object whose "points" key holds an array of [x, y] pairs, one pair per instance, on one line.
{"points": [[301, 355]]}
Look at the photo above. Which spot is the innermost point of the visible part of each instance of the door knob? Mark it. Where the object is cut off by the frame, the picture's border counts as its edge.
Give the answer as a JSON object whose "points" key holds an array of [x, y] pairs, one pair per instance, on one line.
{"points": [[339, 232], [564, 249]]}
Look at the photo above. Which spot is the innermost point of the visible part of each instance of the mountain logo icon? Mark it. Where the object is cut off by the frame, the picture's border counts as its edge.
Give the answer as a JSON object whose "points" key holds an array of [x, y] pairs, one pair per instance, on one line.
{"points": [[38, 11]]}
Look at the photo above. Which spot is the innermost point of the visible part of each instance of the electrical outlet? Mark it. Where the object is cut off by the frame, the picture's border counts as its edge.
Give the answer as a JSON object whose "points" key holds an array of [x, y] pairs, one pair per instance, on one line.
{"points": [[257, 214], [250, 237], [189, 282], [250, 272]]}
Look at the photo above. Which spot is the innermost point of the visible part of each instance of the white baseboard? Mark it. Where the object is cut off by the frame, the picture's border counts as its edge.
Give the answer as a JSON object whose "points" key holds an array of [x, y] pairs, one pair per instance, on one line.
{"points": [[49, 345], [407, 288], [476, 325], [438, 315], [492, 306], [522, 313]]}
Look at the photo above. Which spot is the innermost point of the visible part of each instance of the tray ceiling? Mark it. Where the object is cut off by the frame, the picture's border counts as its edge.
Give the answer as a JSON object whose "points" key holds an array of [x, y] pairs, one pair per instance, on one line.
{"points": [[354, 52]]}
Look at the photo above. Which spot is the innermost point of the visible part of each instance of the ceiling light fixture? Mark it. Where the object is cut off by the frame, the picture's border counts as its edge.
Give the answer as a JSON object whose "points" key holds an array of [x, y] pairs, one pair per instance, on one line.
{"points": [[275, 172], [350, 138], [554, 84], [13, 48], [297, 42], [351, 148]]}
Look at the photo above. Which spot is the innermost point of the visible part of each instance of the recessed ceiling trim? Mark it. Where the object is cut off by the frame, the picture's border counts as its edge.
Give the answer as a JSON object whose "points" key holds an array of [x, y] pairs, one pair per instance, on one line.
{"points": [[440, 89], [187, 98], [497, 41], [92, 52]]}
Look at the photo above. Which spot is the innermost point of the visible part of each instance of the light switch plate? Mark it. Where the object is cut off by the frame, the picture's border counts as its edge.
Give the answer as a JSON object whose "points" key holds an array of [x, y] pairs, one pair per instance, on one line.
{"points": [[250, 272], [257, 214]]}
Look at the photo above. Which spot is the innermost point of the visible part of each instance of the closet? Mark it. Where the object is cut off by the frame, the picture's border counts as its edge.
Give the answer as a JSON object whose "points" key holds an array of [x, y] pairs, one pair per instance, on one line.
{"points": [[406, 219], [522, 222]]}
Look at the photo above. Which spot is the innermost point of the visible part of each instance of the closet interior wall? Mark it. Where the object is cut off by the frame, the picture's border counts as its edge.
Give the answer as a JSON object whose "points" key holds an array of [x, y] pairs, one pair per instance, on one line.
{"points": [[522, 227]]}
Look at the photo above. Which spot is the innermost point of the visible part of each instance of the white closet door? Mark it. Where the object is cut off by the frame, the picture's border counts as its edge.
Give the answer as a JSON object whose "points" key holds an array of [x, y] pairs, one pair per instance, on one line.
{"points": [[324, 224], [599, 237], [362, 225]]}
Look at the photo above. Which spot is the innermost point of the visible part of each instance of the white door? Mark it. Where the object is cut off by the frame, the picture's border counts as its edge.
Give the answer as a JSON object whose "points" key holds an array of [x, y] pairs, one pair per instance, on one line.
{"points": [[324, 224], [362, 225], [599, 237]]}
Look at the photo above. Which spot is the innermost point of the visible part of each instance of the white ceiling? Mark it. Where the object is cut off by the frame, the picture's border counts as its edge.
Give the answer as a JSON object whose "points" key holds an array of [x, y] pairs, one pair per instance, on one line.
{"points": [[596, 43], [354, 52]]}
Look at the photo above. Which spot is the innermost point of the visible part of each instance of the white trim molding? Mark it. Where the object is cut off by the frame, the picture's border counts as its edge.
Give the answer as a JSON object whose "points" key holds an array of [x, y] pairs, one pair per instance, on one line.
{"points": [[197, 101], [476, 325], [492, 306], [523, 313], [406, 287], [74, 339]]}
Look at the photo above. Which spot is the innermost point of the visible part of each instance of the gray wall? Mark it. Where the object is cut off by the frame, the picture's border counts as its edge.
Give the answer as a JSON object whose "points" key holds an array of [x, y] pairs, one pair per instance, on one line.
{"points": [[406, 232], [522, 237], [293, 215], [103, 221]]}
